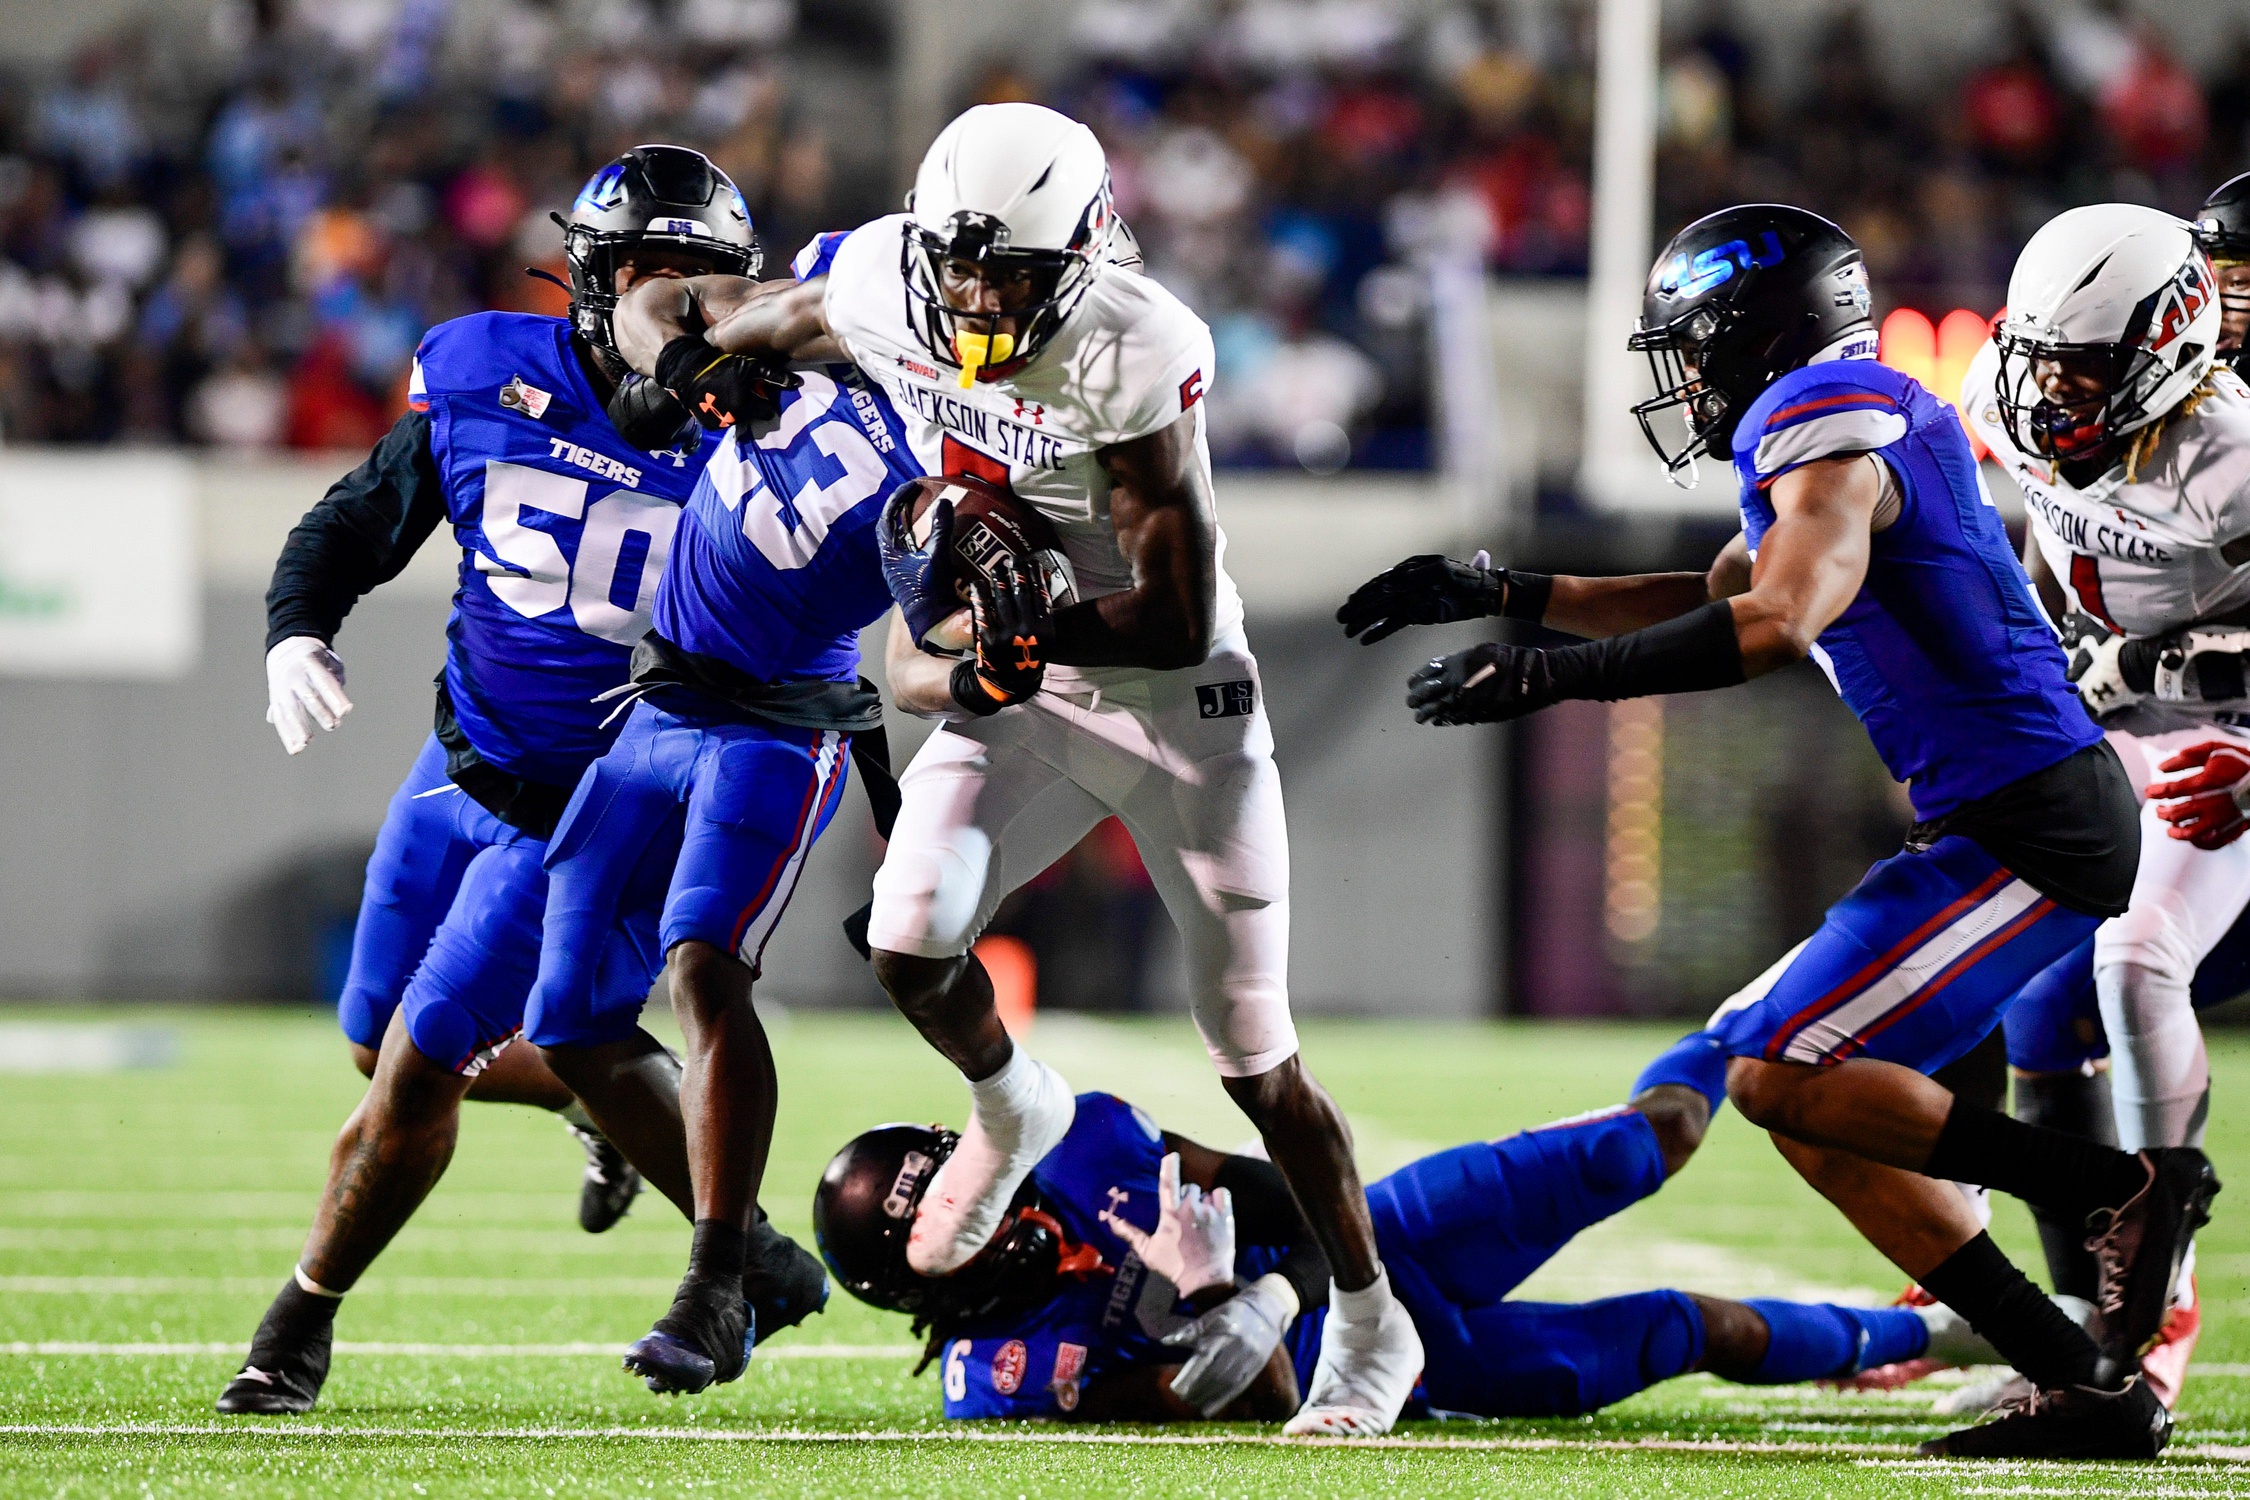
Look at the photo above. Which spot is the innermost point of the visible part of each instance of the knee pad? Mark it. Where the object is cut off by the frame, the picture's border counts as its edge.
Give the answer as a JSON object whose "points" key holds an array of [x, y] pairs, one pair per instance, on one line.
{"points": [[2150, 937]]}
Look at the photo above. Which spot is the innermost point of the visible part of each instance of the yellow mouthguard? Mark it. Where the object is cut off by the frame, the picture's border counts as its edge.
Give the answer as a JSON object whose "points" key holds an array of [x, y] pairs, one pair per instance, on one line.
{"points": [[976, 350]]}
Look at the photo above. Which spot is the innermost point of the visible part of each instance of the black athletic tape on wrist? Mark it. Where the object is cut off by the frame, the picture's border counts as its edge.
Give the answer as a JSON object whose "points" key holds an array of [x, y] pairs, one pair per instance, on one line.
{"points": [[1692, 654], [1523, 596]]}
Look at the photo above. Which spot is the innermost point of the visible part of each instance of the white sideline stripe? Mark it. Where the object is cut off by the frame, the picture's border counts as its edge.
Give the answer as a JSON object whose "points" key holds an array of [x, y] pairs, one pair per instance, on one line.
{"points": [[2212, 1451], [456, 1351]]}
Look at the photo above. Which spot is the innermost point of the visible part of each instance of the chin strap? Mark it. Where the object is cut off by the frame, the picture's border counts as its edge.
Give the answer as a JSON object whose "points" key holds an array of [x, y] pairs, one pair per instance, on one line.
{"points": [[541, 273]]}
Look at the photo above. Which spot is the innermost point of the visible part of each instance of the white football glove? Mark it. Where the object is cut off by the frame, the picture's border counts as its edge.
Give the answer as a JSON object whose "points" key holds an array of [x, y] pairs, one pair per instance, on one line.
{"points": [[2100, 681], [1193, 1246], [1232, 1343], [304, 690]]}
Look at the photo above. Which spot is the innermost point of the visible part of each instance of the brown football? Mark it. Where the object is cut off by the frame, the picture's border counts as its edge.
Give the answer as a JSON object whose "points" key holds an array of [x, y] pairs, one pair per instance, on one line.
{"points": [[989, 523]]}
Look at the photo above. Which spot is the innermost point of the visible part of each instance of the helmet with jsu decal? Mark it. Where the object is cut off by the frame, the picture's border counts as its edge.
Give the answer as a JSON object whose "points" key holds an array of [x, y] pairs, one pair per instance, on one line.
{"points": [[864, 1208], [1012, 193], [651, 196], [1737, 300], [2113, 320]]}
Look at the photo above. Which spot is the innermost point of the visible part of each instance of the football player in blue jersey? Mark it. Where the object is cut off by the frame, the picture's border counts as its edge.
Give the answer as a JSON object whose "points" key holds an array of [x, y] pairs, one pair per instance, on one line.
{"points": [[563, 528], [749, 699], [1143, 1277], [1869, 544]]}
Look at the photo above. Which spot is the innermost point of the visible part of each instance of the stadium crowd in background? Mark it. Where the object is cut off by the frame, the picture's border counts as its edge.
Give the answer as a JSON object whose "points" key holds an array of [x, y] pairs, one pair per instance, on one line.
{"points": [[237, 243]]}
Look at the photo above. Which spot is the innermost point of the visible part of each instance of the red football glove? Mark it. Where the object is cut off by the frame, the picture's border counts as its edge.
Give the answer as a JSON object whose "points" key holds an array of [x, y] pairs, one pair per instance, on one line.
{"points": [[2208, 808]]}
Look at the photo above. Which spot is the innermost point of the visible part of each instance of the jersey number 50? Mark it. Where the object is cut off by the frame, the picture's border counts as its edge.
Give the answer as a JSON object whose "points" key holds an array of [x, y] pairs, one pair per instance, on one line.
{"points": [[623, 539]]}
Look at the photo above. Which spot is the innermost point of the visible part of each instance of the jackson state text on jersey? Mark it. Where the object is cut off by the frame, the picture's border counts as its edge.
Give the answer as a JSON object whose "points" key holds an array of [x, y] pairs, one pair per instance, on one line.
{"points": [[774, 569], [1131, 361], [1035, 1363], [564, 529], [1944, 654]]}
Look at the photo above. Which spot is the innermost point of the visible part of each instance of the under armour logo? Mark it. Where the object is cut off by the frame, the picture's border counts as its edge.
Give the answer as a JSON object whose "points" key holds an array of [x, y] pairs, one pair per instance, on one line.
{"points": [[711, 405], [1117, 1195], [1031, 409], [1027, 646]]}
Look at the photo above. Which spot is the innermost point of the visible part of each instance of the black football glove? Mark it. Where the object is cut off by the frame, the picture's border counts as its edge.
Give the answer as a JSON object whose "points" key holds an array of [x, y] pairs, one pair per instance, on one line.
{"points": [[648, 416], [723, 390], [1485, 684], [1014, 624], [1424, 590]]}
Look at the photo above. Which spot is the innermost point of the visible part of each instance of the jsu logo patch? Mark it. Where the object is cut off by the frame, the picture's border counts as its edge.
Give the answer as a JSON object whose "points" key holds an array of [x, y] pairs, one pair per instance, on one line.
{"points": [[1008, 1363], [1226, 700]]}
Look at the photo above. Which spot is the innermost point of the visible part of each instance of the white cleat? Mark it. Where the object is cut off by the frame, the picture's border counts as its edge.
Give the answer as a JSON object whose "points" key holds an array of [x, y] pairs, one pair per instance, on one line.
{"points": [[1953, 1343], [1370, 1357], [967, 1199]]}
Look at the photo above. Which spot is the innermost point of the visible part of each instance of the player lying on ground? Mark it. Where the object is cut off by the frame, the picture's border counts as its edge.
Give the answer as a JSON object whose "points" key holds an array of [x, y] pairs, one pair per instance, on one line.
{"points": [[735, 754], [507, 440], [2135, 468], [1143, 1277], [1021, 353], [1869, 544]]}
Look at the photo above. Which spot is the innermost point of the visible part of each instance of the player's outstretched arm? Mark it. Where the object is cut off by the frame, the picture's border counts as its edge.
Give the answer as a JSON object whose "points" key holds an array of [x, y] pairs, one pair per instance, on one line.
{"points": [[1160, 504], [1808, 570], [360, 535], [783, 319], [1432, 590]]}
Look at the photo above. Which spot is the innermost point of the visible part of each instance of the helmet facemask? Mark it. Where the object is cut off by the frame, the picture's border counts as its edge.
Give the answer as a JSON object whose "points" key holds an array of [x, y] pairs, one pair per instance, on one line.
{"points": [[1675, 353], [2074, 427], [594, 252], [1057, 280]]}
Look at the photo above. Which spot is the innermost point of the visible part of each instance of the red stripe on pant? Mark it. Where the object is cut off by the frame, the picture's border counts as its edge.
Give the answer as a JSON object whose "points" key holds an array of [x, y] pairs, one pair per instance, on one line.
{"points": [[1875, 970], [2023, 921], [815, 795]]}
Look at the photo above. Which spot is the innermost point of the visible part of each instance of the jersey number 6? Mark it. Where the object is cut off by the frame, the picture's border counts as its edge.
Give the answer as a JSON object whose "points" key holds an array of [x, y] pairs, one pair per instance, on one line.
{"points": [[623, 539]]}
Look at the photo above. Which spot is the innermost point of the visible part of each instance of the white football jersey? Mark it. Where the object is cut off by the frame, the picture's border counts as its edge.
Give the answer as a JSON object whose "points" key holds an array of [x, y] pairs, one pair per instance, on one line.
{"points": [[1130, 361], [2143, 558]]}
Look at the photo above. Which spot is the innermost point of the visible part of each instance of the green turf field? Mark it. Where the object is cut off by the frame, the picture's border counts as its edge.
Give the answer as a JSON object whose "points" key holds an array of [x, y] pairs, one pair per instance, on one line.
{"points": [[147, 1216]]}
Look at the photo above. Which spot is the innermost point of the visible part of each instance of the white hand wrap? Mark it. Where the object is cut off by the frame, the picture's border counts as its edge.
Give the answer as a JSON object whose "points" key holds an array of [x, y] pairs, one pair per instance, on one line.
{"points": [[1193, 1246]]}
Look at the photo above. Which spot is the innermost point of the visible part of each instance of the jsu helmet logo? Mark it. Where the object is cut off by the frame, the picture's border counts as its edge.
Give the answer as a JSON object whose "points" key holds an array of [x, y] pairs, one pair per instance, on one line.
{"points": [[910, 1173], [1692, 276], [2179, 303]]}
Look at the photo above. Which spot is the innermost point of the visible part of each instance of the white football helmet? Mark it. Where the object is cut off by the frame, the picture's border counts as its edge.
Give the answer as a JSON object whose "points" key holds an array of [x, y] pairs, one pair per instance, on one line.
{"points": [[1010, 189], [2120, 296]]}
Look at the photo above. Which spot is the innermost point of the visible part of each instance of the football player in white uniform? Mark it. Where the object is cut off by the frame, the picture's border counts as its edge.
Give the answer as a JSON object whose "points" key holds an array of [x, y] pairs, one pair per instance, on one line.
{"points": [[995, 316], [2103, 396]]}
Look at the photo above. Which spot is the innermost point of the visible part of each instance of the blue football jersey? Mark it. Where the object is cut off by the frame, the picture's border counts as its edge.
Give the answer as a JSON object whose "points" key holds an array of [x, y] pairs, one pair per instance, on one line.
{"points": [[775, 569], [1035, 1364], [1945, 655], [564, 530]]}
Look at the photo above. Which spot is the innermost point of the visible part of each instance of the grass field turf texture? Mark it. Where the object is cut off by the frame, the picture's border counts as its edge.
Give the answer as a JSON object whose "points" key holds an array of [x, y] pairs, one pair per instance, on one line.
{"points": [[146, 1217]]}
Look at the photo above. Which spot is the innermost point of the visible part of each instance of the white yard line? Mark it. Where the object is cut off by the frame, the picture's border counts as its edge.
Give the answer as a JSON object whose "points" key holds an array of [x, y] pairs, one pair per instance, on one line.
{"points": [[1007, 1437], [407, 1286], [59, 1347]]}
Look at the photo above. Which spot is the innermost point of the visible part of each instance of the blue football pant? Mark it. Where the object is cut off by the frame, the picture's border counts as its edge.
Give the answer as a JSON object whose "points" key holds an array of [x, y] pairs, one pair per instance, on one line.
{"points": [[449, 926], [729, 810], [1913, 967], [1461, 1229]]}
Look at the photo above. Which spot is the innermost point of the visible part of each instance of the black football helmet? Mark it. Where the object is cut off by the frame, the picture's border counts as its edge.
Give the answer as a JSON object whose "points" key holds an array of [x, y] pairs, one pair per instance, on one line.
{"points": [[1737, 300], [652, 195], [865, 1206], [2222, 229]]}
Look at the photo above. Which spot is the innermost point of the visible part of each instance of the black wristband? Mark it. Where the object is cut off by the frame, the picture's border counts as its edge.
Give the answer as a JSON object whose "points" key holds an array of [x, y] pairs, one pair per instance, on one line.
{"points": [[683, 359], [1692, 654], [1523, 596], [1266, 1213]]}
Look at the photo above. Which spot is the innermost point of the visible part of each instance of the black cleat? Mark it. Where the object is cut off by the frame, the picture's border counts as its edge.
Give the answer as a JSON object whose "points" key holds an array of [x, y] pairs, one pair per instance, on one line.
{"points": [[785, 1283], [705, 1340], [2138, 1248], [288, 1359], [2074, 1422], [611, 1183]]}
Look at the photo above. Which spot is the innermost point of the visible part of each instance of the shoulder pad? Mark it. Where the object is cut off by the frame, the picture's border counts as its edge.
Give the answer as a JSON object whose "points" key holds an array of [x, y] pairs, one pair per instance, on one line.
{"points": [[468, 353], [818, 255], [1844, 406]]}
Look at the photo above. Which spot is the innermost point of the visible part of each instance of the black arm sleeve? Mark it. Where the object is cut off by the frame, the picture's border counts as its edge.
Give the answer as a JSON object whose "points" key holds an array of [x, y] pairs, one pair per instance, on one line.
{"points": [[1266, 1213], [361, 534], [1695, 653]]}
